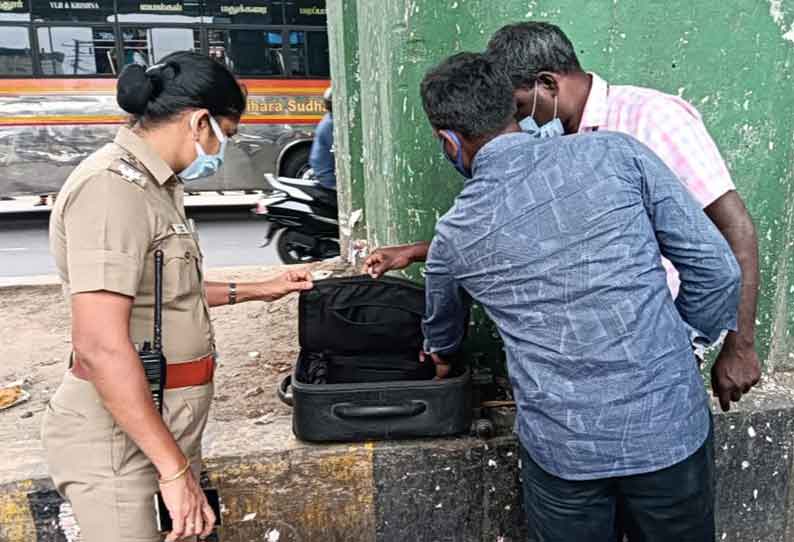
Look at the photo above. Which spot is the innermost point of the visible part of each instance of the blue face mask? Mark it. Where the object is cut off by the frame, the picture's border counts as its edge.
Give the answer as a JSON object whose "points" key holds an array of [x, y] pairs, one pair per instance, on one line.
{"points": [[458, 161], [553, 128], [205, 164]]}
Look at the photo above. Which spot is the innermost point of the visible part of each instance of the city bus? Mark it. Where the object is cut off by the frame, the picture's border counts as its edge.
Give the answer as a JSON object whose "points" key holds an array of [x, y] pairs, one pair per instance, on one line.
{"points": [[59, 61]]}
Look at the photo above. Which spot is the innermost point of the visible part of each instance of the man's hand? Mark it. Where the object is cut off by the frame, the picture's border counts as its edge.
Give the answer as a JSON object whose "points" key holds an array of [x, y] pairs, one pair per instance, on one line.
{"points": [[735, 371], [443, 367], [286, 283], [191, 514], [737, 368], [397, 257]]}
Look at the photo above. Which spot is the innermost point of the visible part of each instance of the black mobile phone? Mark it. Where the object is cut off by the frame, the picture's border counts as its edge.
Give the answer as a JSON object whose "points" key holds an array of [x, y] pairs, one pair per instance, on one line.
{"points": [[164, 523]]}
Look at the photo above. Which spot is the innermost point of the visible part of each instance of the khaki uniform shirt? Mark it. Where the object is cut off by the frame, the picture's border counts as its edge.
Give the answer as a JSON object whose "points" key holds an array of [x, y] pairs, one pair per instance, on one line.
{"points": [[116, 209]]}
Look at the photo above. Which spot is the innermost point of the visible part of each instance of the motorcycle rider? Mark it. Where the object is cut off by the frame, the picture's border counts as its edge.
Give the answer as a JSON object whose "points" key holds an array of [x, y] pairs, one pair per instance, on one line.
{"points": [[321, 158]]}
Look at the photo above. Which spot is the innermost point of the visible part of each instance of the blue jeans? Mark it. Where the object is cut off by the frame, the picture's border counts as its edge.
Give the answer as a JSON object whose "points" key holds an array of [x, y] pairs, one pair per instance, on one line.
{"points": [[675, 504]]}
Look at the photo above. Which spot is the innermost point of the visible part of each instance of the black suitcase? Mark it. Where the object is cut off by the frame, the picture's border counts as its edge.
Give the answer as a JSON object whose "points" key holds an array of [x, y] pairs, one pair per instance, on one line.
{"points": [[358, 376]]}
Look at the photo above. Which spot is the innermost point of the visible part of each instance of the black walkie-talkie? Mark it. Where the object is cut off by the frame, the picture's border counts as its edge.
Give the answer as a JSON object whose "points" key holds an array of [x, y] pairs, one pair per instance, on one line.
{"points": [[151, 354]]}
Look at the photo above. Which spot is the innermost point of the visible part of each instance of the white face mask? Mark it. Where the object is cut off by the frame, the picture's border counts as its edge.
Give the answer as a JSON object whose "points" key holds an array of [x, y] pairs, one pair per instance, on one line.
{"points": [[205, 164], [553, 128]]}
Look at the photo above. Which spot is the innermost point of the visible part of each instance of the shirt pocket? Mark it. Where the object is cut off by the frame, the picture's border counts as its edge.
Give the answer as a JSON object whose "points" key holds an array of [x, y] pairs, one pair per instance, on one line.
{"points": [[181, 261]]}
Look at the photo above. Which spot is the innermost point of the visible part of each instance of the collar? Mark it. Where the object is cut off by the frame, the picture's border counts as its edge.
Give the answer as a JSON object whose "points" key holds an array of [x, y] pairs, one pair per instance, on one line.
{"points": [[597, 107], [493, 151], [143, 153]]}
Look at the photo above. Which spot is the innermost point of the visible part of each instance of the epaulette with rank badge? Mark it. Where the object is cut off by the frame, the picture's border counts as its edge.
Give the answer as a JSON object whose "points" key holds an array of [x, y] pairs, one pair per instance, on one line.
{"points": [[130, 170]]}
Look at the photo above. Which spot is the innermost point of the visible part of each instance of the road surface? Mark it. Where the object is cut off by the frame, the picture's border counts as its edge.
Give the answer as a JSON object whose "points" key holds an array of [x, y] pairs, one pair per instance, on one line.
{"points": [[228, 238]]}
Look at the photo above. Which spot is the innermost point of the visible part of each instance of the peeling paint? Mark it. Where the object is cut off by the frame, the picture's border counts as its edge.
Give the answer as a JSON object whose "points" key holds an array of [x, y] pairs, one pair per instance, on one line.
{"points": [[403, 171], [776, 12]]}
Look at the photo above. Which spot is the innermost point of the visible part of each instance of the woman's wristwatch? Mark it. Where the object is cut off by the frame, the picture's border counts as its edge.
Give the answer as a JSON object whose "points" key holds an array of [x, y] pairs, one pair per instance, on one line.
{"points": [[232, 293]]}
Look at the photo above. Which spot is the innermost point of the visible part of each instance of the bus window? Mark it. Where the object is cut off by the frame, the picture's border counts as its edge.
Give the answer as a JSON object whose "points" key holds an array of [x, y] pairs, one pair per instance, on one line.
{"points": [[15, 54], [317, 54], [135, 11], [297, 53], [309, 54], [73, 50], [248, 52], [260, 12], [148, 46], [82, 11], [14, 11], [305, 12]]}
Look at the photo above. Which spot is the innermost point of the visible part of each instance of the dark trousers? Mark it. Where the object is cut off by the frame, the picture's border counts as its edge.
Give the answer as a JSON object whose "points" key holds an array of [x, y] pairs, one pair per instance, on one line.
{"points": [[675, 504]]}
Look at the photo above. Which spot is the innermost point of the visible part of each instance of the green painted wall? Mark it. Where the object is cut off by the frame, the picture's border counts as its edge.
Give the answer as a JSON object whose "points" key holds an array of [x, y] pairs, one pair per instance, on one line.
{"points": [[731, 58], [343, 45]]}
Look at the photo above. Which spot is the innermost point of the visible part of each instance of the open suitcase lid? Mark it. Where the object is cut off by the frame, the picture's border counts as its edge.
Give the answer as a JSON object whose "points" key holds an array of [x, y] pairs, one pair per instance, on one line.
{"points": [[360, 314]]}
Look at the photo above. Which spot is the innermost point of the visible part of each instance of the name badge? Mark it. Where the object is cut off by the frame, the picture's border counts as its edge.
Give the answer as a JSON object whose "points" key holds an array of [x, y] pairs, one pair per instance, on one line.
{"points": [[180, 229]]}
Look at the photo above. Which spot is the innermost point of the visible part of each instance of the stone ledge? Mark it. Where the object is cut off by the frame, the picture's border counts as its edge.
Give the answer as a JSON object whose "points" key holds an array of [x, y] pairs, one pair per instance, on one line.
{"points": [[460, 489]]}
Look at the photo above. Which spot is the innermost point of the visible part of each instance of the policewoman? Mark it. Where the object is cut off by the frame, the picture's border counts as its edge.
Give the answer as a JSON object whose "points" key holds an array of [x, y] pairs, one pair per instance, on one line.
{"points": [[108, 448]]}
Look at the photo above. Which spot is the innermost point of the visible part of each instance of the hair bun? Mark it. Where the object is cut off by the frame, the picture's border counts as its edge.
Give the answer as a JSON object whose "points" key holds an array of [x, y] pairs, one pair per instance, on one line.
{"points": [[134, 89], [179, 81], [162, 73]]}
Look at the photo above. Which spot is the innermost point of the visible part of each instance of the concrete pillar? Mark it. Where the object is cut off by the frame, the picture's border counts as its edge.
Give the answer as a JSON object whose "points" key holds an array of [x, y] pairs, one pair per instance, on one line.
{"points": [[741, 85], [344, 51]]}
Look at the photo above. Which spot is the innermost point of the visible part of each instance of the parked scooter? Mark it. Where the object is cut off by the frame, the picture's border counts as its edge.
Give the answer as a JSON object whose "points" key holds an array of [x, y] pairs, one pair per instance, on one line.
{"points": [[302, 219]]}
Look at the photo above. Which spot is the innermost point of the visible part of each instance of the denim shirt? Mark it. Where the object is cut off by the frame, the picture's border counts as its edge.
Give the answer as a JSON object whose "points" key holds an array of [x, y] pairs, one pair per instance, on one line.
{"points": [[561, 241]]}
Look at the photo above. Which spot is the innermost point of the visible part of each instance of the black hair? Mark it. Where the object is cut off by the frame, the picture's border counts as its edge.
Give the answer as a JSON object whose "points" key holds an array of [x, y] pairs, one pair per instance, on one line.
{"points": [[468, 94], [525, 49], [180, 81]]}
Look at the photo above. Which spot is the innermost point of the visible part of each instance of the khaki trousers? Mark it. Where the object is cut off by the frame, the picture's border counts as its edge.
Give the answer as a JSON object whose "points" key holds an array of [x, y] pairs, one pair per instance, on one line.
{"points": [[109, 482]]}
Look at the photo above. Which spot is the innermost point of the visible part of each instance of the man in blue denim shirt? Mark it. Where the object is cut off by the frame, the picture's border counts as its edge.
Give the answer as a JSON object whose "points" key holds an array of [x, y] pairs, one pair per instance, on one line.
{"points": [[560, 240]]}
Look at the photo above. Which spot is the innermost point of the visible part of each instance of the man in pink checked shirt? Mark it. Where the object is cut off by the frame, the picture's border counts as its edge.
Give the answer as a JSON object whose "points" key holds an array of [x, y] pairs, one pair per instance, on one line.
{"points": [[555, 96]]}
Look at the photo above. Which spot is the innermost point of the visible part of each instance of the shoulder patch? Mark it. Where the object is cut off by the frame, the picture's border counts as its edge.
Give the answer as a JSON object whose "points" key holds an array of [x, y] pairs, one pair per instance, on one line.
{"points": [[129, 170]]}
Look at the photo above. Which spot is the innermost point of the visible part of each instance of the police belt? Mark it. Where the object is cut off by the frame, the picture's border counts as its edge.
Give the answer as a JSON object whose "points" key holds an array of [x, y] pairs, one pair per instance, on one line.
{"points": [[197, 372]]}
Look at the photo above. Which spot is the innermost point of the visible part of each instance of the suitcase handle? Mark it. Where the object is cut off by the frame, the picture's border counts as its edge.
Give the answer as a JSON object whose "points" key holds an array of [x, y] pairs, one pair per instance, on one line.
{"points": [[349, 410], [284, 392]]}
